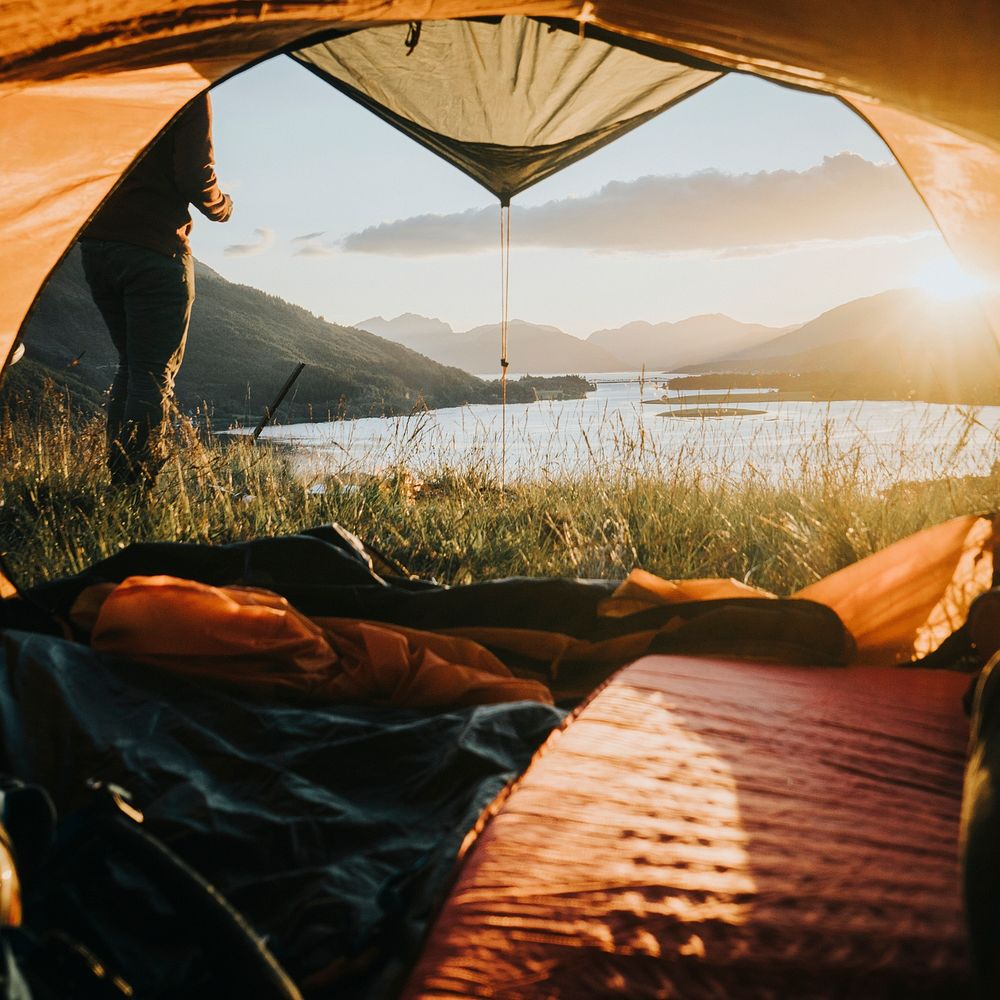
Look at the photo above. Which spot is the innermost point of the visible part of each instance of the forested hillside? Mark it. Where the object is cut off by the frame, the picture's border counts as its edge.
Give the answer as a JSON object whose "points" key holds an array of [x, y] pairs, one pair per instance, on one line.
{"points": [[242, 345]]}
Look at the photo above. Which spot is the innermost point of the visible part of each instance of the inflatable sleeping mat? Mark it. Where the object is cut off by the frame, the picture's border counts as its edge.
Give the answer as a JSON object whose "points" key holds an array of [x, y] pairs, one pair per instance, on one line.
{"points": [[710, 828]]}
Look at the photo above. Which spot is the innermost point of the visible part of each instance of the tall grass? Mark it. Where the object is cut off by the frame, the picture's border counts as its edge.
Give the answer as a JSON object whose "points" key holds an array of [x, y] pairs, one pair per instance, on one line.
{"points": [[681, 515]]}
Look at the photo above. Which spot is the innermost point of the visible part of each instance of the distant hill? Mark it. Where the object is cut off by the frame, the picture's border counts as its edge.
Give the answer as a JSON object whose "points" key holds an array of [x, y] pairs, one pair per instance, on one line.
{"points": [[531, 347], [898, 344], [873, 316], [241, 346], [670, 346], [409, 329]]}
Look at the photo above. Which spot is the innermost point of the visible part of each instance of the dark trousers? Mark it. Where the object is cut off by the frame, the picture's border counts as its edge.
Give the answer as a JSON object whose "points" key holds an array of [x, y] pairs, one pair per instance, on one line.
{"points": [[145, 298]]}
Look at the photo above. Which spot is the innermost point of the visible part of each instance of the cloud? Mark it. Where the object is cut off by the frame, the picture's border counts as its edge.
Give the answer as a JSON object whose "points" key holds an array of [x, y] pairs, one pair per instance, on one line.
{"points": [[310, 245], [261, 240], [315, 250], [844, 199]]}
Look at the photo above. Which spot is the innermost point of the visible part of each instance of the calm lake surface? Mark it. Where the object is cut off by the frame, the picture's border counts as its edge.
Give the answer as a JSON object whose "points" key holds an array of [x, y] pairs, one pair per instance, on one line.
{"points": [[611, 428]]}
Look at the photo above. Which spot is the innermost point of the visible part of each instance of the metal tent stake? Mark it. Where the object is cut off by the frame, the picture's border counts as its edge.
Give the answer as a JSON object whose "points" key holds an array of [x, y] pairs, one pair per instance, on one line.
{"points": [[269, 411]]}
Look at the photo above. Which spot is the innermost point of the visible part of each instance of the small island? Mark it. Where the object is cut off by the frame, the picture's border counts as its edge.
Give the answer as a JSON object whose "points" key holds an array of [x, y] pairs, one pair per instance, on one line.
{"points": [[705, 412]]}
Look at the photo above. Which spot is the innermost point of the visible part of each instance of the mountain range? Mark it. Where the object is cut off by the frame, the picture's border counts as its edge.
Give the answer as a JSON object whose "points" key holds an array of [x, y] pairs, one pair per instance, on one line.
{"points": [[546, 349], [244, 342], [531, 347], [242, 345], [670, 346], [897, 344]]}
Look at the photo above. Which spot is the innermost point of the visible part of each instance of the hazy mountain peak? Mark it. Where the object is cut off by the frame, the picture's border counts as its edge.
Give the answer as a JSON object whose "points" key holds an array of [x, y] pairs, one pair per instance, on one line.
{"points": [[517, 324], [671, 344], [870, 316], [640, 324], [404, 326]]}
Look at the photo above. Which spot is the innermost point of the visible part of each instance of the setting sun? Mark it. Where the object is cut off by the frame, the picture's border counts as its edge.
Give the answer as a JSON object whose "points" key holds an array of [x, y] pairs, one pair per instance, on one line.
{"points": [[943, 279]]}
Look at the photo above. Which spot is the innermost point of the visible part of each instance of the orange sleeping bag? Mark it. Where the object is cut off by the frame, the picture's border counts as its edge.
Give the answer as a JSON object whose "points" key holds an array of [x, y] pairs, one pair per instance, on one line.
{"points": [[256, 638]]}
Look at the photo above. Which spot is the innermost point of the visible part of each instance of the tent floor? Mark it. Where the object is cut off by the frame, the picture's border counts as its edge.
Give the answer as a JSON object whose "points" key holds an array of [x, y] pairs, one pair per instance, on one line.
{"points": [[709, 828]]}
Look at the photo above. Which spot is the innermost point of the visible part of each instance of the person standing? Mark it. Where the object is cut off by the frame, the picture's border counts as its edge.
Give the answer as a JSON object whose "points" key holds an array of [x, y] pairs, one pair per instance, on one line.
{"points": [[137, 262]]}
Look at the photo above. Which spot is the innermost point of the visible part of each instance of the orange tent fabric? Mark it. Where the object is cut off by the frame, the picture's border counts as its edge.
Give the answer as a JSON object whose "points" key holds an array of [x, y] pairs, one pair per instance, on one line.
{"points": [[899, 604], [903, 602], [86, 85], [254, 638]]}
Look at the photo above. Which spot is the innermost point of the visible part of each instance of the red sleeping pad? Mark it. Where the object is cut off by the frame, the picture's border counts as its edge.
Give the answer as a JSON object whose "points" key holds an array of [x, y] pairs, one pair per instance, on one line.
{"points": [[718, 829]]}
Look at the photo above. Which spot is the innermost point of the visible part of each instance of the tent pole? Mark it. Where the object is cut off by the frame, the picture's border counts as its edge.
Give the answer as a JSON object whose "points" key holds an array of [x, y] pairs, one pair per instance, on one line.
{"points": [[504, 320]]}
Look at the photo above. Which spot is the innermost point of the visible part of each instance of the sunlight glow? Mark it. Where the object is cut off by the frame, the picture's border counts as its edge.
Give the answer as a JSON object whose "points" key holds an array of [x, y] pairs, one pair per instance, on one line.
{"points": [[943, 279]]}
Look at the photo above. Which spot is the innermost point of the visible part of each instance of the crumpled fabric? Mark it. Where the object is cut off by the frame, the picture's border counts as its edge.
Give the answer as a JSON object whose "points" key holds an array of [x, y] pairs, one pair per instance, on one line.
{"points": [[332, 828], [255, 638], [642, 590]]}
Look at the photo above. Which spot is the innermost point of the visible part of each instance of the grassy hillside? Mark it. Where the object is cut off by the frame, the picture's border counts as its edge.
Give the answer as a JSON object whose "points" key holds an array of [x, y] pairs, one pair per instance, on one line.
{"points": [[242, 345]]}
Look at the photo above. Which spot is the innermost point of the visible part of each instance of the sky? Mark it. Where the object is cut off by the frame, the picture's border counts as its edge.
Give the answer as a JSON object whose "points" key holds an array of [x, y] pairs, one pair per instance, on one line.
{"points": [[749, 199]]}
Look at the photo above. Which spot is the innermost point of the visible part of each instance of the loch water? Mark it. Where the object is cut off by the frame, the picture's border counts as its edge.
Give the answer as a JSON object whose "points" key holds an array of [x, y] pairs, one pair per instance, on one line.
{"points": [[620, 424]]}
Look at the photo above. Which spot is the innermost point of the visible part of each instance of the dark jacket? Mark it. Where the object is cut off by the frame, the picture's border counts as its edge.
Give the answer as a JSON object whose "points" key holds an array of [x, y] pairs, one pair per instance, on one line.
{"points": [[150, 207]]}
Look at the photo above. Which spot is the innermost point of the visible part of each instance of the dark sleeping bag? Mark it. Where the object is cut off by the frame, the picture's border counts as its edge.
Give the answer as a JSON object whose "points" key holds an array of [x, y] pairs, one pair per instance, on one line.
{"points": [[332, 830]]}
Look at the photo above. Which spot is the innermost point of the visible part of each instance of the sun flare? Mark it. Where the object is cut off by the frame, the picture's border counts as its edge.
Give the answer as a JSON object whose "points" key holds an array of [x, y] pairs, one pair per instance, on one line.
{"points": [[943, 279]]}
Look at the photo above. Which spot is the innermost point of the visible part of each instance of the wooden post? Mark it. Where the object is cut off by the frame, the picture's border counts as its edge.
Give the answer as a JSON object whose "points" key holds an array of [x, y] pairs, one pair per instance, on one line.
{"points": [[269, 411]]}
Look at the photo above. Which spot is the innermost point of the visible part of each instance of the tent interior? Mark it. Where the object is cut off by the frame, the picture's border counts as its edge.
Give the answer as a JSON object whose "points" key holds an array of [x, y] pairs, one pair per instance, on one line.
{"points": [[524, 787]]}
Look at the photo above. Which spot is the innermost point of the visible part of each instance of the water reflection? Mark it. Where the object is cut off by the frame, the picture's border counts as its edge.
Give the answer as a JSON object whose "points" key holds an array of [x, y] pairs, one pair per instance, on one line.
{"points": [[619, 426]]}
